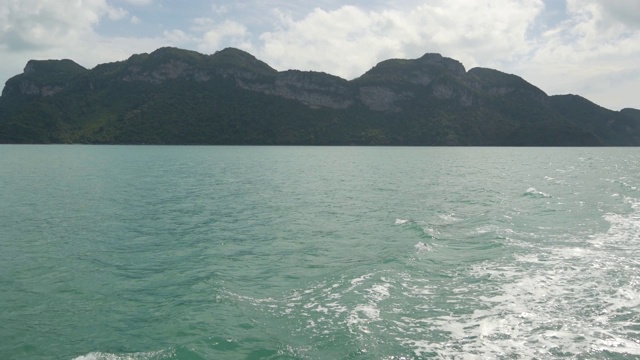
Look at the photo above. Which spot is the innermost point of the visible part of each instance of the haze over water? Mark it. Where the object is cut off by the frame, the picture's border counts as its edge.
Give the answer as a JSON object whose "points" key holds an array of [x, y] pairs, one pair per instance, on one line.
{"points": [[124, 252]]}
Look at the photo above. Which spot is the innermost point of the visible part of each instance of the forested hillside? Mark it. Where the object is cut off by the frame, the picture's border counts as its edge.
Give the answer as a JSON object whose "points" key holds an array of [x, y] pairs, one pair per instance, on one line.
{"points": [[175, 96]]}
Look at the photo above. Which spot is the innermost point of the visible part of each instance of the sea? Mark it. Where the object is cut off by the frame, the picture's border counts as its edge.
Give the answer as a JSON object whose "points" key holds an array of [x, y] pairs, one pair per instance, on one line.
{"points": [[215, 252]]}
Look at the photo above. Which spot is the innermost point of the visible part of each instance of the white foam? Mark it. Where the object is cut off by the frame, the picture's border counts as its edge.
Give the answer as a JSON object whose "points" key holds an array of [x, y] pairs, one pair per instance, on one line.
{"points": [[371, 312], [487, 229], [431, 232], [336, 308], [449, 218], [528, 258], [624, 229], [358, 281], [361, 316], [537, 193], [134, 356], [401, 221], [379, 292], [554, 299], [422, 247]]}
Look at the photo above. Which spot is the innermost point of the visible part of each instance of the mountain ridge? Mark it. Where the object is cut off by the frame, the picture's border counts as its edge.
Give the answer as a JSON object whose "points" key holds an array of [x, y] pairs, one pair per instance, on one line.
{"points": [[175, 96]]}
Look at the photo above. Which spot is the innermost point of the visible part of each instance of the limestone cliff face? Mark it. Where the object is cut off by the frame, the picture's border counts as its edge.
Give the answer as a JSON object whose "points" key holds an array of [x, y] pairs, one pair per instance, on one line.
{"points": [[234, 73], [452, 91], [43, 77], [390, 83], [380, 98], [498, 84], [385, 88], [316, 90], [174, 96], [27, 87], [180, 70], [168, 64], [171, 70]]}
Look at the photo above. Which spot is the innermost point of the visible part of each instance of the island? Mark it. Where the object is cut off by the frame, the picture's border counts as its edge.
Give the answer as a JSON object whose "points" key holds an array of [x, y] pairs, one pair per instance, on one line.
{"points": [[182, 97]]}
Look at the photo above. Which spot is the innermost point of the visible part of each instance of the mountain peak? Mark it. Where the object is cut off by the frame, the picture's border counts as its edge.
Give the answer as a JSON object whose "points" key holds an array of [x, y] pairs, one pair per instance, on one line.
{"points": [[43, 77], [233, 57], [419, 71], [231, 51], [451, 65], [169, 51], [64, 66]]}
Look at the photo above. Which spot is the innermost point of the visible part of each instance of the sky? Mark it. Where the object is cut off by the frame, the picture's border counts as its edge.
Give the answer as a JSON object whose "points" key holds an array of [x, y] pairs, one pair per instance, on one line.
{"points": [[585, 47]]}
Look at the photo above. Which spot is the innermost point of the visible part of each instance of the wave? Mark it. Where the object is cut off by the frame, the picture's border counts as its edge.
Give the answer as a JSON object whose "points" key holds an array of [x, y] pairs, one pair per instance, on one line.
{"points": [[401, 221], [533, 192], [422, 247], [351, 313], [179, 353], [153, 355], [560, 299]]}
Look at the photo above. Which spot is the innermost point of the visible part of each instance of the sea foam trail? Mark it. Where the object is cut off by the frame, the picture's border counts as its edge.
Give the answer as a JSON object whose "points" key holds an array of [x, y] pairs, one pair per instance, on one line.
{"points": [[154, 355], [379, 253], [557, 301]]}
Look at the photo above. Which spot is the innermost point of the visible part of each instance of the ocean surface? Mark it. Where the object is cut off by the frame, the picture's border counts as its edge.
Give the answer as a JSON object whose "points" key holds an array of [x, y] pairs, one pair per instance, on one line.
{"points": [[151, 253]]}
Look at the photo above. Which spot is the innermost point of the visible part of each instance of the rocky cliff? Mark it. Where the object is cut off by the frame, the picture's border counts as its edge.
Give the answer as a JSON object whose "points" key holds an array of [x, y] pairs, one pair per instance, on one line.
{"points": [[230, 97]]}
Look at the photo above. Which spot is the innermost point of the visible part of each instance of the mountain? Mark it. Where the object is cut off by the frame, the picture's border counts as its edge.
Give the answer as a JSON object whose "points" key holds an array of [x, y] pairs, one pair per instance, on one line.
{"points": [[174, 96]]}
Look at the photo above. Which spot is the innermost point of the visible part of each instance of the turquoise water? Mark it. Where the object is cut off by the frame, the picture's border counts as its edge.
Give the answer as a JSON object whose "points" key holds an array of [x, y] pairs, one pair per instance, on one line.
{"points": [[319, 253]]}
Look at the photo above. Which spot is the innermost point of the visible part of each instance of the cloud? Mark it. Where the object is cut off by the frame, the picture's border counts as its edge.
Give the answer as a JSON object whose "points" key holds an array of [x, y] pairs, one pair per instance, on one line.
{"points": [[176, 36], [219, 9], [593, 46], [227, 32], [117, 13], [623, 11], [57, 29], [41, 24], [349, 39], [596, 48], [139, 2], [33, 24], [209, 35]]}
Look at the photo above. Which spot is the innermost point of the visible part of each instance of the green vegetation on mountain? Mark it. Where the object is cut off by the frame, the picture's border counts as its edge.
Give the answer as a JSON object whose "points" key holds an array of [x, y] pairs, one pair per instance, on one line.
{"points": [[175, 96]]}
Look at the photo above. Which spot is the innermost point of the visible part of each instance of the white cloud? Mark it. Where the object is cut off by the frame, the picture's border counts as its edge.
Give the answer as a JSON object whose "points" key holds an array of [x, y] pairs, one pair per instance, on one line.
{"points": [[219, 9], [349, 40], [176, 36], [135, 20], [31, 24], [57, 29], [139, 2], [41, 24], [117, 13], [202, 24], [211, 35], [227, 32], [593, 53], [624, 11]]}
